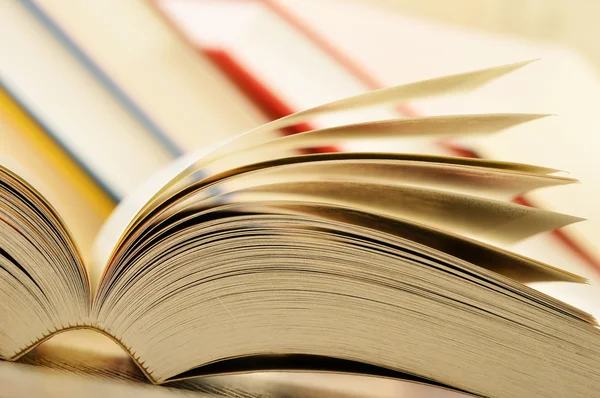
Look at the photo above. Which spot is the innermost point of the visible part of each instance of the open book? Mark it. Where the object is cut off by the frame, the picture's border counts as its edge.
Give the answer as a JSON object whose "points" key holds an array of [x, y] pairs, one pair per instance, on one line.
{"points": [[251, 255]]}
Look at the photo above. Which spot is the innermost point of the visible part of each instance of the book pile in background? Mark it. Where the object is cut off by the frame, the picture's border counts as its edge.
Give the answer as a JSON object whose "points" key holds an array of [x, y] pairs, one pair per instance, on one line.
{"points": [[108, 117]]}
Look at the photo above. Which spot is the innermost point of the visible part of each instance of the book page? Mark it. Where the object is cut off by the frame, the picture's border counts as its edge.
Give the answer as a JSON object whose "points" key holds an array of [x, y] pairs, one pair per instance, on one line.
{"points": [[125, 216], [112, 231]]}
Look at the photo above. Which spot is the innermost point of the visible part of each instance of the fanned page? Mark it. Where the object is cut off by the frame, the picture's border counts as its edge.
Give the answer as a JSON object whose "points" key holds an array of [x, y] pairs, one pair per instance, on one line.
{"points": [[146, 196], [250, 255]]}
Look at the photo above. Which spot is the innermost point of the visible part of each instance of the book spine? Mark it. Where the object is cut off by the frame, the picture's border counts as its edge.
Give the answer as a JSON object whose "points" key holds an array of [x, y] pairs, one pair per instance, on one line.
{"points": [[157, 132], [72, 168]]}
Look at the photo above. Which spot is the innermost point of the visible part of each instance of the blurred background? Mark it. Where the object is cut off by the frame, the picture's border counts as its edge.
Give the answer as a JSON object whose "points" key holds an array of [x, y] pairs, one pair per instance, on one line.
{"points": [[96, 96]]}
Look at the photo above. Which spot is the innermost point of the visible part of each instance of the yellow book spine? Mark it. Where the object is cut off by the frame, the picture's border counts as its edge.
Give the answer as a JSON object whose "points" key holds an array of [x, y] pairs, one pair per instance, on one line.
{"points": [[68, 168]]}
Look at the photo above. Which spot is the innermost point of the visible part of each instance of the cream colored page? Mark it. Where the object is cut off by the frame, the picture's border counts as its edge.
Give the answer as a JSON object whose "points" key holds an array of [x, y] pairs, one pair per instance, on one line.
{"points": [[118, 224], [477, 181], [423, 89], [477, 218], [506, 263], [125, 214], [563, 82], [570, 141], [111, 232]]}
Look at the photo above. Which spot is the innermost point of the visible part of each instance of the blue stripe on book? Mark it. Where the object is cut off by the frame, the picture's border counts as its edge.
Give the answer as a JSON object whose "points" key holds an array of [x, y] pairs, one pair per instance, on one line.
{"points": [[55, 137], [108, 83]]}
